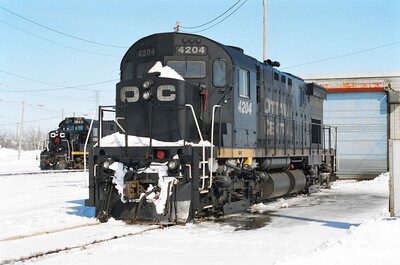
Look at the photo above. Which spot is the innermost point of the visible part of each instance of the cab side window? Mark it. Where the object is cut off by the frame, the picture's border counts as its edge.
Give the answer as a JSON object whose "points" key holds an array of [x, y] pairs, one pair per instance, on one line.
{"points": [[127, 71], [244, 83], [219, 73]]}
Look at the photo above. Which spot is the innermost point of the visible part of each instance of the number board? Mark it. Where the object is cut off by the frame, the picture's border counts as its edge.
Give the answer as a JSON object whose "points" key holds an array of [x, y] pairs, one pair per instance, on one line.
{"points": [[191, 50], [79, 120], [144, 53]]}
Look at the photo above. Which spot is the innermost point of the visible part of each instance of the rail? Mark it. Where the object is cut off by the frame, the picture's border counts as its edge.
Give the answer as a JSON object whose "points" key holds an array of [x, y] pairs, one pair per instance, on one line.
{"points": [[40, 172]]}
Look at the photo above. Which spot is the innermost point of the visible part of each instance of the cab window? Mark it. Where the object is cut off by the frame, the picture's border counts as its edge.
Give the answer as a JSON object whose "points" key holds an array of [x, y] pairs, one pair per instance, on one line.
{"points": [[95, 132], [244, 83], [219, 73], [189, 69], [127, 71]]}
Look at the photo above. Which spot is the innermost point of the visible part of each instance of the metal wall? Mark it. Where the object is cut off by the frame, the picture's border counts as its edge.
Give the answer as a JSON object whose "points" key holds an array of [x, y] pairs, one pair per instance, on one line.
{"points": [[361, 118]]}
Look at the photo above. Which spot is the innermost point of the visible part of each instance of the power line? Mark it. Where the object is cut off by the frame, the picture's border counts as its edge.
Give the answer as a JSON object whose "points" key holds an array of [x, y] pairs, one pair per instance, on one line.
{"points": [[341, 56], [202, 25], [234, 11], [40, 107], [56, 43], [44, 119], [64, 97], [62, 33], [59, 87]]}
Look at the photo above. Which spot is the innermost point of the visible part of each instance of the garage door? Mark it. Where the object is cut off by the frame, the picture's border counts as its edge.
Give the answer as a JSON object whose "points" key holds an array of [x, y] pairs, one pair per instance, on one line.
{"points": [[361, 119]]}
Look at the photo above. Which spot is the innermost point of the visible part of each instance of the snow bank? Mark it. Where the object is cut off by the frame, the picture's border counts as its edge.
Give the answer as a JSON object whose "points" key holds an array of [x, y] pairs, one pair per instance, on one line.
{"points": [[373, 242], [380, 183]]}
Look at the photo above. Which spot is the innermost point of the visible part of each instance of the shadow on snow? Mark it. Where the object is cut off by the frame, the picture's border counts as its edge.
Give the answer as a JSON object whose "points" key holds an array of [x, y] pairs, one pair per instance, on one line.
{"points": [[79, 209], [333, 224]]}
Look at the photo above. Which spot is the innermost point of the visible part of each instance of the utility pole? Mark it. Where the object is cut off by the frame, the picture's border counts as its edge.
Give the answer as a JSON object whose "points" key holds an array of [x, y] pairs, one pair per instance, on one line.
{"points": [[265, 32], [20, 130], [177, 27], [97, 101], [39, 139]]}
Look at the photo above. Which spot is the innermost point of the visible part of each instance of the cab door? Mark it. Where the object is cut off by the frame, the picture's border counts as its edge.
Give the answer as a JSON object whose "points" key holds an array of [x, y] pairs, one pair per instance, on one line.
{"points": [[245, 108]]}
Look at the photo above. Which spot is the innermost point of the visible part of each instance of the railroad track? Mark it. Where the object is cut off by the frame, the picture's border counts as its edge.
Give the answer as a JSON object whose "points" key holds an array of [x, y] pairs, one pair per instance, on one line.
{"points": [[47, 232], [64, 239], [40, 172]]}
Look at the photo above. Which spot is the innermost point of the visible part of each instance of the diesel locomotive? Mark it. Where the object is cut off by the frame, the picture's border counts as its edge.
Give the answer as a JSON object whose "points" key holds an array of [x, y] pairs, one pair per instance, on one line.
{"points": [[65, 145], [206, 130]]}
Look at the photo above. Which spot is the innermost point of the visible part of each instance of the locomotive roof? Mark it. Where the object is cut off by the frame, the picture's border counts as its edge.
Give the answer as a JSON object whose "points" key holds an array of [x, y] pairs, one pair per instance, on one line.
{"points": [[74, 120], [236, 54]]}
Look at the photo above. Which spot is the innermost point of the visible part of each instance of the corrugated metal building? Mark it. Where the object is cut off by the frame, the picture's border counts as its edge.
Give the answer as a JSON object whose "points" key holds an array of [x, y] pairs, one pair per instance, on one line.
{"points": [[357, 104]]}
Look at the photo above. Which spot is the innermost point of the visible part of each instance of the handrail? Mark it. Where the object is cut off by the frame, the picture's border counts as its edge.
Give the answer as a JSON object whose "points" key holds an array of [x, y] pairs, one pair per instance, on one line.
{"points": [[72, 157], [203, 146], [211, 163], [87, 140], [276, 119], [195, 120], [119, 125], [100, 132], [69, 150], [103, 109]]}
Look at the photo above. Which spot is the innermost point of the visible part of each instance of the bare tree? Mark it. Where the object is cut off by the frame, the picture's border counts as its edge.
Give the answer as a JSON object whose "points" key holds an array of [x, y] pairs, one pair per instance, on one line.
{"points": [[32, 139], [7, 138], [3, 135]]}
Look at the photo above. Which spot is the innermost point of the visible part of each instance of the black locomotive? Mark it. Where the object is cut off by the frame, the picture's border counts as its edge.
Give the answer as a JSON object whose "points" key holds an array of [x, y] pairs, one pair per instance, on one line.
{"points": [[66, 145], [227, 132]]}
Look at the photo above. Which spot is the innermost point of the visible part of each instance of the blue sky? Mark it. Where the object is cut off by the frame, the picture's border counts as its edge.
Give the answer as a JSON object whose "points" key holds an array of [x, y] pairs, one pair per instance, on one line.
{"points": [[309, 36]]}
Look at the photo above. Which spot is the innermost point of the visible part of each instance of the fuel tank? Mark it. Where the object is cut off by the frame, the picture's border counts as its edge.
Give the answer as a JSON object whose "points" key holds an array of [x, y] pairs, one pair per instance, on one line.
{"points": [[281, 183]]}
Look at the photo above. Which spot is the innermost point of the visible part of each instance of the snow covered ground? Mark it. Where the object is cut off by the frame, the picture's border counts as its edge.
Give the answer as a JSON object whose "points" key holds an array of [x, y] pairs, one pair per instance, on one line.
{"points": [[43, 220], [9, 161]]}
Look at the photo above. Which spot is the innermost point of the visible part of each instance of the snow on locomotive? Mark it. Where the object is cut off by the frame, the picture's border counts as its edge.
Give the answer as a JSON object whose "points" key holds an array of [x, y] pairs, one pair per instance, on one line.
{"points": [[210, 133]]}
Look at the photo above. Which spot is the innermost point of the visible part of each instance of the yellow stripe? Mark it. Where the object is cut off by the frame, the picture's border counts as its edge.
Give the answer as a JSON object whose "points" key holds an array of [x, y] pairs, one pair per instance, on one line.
{"points": [[236, 152], [79, 153]]}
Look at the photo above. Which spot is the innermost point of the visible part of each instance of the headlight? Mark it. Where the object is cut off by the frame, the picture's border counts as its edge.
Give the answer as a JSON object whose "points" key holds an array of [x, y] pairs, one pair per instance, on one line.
{"points": [[173, 165], [147, 84], [147, 95], [107, 163]]}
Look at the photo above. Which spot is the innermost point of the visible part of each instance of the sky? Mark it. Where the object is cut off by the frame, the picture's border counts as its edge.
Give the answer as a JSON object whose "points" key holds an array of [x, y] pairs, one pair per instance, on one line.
{"points": [[62, 57]]}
